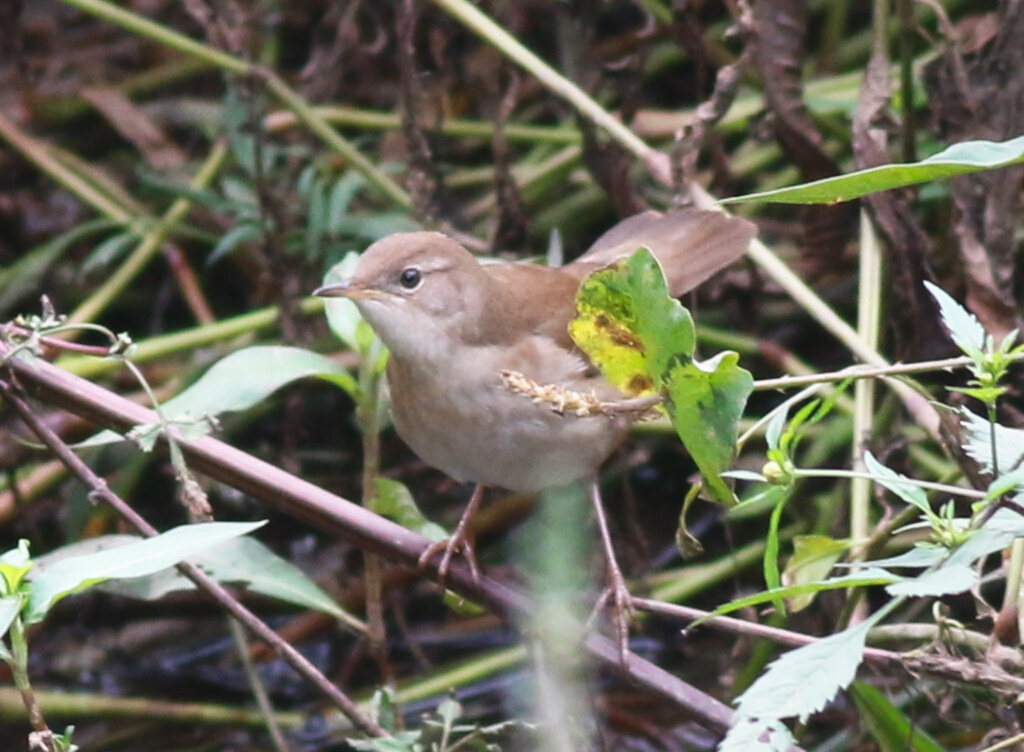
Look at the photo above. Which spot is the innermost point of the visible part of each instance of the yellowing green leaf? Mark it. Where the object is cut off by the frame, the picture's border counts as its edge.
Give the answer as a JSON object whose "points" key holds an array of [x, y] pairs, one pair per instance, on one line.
{"points": [[629, 326]]}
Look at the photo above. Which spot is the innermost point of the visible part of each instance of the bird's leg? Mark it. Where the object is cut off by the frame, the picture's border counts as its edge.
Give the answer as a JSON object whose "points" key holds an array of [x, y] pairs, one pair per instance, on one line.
{"points": [[459, 541], [616, 593]]}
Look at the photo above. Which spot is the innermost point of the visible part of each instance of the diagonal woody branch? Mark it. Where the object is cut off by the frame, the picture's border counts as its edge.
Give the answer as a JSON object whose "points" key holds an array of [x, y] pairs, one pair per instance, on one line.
{"points": [[333, 514]]}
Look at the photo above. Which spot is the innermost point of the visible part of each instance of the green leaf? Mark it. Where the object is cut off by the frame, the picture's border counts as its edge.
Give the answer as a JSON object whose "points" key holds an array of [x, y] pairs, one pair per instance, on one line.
{"points": [[377, 225], [747, 475], [772, 577], [394, 501], [10, 607], [996, 534], [897, 483], [342, 193], [889, 725], [342, 315], [1004, 484], [773, 431], [705, 402], [958, 159], [108, 251], [403, 741], [919, 556], [247, 377], [242, 379], [76, 573], [14, 565], [804, 680], [812, 560], [243, 232], [967, 332], [244, 561]]}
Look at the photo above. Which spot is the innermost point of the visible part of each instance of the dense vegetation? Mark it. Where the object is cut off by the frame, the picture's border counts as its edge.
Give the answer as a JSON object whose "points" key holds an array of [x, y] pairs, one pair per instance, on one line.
{"points": [[179, 176]]}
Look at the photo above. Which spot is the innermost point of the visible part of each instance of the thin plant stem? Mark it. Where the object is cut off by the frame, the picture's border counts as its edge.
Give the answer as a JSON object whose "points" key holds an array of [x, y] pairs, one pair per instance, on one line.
{"points": [[259, 691], [868, 320], [747, 628], [1013, 595], [369, 415], [482, 25], [161, 346], [19, 674], [968, 493], [456, 127], [869, 372]]}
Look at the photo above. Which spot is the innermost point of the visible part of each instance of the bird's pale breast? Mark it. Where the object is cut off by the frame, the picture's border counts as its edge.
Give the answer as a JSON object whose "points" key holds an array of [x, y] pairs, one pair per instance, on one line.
{"points": [[458, 417]]}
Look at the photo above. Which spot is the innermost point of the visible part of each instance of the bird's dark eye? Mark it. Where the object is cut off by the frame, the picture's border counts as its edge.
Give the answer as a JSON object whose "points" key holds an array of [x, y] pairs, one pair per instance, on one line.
{"points": [[410, 278]]}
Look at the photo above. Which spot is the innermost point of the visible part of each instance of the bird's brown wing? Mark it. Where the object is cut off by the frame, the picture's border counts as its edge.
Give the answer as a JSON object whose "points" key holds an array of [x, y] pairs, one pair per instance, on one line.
{"points": [[690, 244], [535, 299]]}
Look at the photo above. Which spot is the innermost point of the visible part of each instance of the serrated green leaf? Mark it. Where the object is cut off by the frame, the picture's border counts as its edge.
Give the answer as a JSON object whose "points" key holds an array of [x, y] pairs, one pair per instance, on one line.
{"points": [[915, 557], [804, 680], [997, 533], [757, 735], [946, 580], [138, 559], [958, 159], [643, 340], [967, 332], [978, 441], [898, 484]]}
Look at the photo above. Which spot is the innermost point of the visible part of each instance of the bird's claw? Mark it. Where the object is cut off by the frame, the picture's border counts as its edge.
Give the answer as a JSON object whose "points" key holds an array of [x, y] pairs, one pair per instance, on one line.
{"points": [[619, 600], [459, 543]]}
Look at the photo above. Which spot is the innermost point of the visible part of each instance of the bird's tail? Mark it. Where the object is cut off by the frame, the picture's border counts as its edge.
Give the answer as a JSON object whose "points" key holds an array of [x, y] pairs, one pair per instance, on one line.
{"points": [[690, 244]]}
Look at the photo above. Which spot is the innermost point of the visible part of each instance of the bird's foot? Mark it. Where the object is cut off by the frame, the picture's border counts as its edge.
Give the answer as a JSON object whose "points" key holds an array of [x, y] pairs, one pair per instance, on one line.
{"points": [[459, 543], [617, 598]]}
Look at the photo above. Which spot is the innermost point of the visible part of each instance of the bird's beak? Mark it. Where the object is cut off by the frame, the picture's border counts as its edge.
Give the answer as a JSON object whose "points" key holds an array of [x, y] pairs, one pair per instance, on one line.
{"points": [[348, 288]]}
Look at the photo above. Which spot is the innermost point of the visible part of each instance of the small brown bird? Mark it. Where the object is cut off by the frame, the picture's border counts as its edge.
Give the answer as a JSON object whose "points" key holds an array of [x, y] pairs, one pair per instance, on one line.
{"points": [[453, 325]]}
